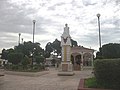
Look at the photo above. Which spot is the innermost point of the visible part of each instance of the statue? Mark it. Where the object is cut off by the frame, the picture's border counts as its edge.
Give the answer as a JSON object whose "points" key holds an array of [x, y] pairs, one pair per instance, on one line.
{"points": [[66, 29], [66, 65], [66, 39]]}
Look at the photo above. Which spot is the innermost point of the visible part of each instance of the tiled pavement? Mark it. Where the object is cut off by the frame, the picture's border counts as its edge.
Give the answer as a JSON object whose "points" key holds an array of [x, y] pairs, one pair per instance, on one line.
{"points": [[49, 81]]}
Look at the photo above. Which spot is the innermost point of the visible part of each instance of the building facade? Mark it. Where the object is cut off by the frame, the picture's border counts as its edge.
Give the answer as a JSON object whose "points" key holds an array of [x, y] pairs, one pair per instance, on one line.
{"points": [[81, 56]]}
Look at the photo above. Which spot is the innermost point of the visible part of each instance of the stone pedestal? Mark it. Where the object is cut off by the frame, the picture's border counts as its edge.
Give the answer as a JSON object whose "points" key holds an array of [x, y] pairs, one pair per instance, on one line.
{"points": [[66, 69]]}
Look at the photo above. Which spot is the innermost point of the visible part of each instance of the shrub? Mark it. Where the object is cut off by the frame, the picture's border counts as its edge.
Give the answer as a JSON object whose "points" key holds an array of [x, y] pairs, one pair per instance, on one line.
{"points": [[107, 73], [11, 67], [28, 68]]}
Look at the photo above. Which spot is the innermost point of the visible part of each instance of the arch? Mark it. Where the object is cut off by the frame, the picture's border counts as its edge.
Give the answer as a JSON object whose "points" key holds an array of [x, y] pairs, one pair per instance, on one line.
{"points": [[76, 60], [87, 59]]}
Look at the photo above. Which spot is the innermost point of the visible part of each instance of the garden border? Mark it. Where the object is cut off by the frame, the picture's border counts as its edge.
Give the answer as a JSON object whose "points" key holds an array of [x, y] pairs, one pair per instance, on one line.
{"points": [[31, 74], [82, 87]]}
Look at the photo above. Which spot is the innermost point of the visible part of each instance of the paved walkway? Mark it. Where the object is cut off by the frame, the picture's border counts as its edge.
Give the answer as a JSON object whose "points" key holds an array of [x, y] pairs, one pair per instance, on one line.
{"points": [[49, 81]]}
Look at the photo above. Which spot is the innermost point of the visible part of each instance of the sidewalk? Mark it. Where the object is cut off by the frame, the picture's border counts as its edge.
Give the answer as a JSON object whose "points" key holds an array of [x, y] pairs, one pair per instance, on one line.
{"points": [[49, 81]]}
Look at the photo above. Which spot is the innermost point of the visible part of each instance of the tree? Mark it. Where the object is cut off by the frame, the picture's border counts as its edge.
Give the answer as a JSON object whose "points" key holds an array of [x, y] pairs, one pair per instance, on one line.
{"points": [[39, 59], [28, 48], [15, 58], [5, 53], [56, 46], [99, 55], [46, 54], [109, 51], [25, 61], [53, 62], [48, 47], [74, 43]]}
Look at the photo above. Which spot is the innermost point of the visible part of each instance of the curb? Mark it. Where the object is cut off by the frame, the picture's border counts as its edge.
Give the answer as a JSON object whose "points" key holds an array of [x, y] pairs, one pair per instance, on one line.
{"points": [[31, 74]]}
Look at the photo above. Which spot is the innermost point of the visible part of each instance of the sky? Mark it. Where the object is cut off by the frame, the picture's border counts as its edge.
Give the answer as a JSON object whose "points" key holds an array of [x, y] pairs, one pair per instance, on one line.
{"points": [[16, 16]]}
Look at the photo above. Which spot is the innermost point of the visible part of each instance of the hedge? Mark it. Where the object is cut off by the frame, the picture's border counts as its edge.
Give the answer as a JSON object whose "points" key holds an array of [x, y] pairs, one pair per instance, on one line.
{"points": [[22, 68], [107, 73]]}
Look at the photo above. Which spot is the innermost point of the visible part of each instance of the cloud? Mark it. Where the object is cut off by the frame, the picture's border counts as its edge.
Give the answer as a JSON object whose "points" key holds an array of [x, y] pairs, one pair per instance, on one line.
{"points": [[17, 15]]}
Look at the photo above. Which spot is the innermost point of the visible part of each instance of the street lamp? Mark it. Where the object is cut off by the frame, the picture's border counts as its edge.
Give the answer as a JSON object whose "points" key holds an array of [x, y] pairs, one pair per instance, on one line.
{"points": [[98, 15], [19, 38], [33, 29]]}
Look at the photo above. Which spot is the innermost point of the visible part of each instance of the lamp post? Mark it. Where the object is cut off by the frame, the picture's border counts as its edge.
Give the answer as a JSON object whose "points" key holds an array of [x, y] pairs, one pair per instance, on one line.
{"points": [[22, 40], [98, 15], [33, 29], [34, 21], [19, 38]]}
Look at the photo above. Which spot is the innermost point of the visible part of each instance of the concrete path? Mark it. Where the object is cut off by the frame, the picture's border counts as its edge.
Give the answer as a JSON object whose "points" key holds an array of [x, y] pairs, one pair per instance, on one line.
{"points": [[49, 81]]}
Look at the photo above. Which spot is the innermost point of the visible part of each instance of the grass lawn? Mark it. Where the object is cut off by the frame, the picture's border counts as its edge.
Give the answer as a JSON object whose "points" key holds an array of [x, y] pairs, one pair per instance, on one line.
{"points": [[92, 83]]}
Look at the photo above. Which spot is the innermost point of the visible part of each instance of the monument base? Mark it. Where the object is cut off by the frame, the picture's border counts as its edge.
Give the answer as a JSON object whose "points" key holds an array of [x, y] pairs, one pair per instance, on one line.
{"points": [[66, 69]]}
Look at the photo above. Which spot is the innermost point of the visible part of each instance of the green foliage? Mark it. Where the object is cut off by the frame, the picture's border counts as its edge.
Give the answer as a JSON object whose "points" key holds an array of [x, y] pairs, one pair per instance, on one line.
{"points": [[11, 67], [5, 53], [47, 54], [49, 47], [99, 55], [74, 43], [25, 61], [39, 59], [111, 50], [52, 47], [38, 67], [107, 73], [56, 47], [28, 47], [15, 58], [92, 83], [28, 68], [53, 62]]}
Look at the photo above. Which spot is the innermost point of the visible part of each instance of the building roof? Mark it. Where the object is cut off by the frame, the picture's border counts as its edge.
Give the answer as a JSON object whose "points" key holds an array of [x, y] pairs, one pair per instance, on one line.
{"points": [[81, 49]]}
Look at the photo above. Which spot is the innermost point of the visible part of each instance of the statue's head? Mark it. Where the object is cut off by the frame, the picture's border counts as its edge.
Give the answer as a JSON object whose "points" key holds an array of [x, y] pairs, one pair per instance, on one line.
{"points": [[66, 24]]}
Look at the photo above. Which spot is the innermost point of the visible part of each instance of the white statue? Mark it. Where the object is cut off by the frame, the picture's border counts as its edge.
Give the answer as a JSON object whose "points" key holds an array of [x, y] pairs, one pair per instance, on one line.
{"points": [[66, 30], [65, 38]]}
